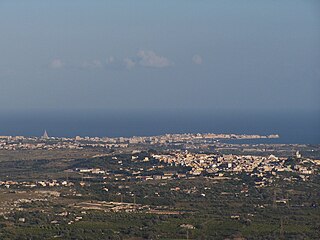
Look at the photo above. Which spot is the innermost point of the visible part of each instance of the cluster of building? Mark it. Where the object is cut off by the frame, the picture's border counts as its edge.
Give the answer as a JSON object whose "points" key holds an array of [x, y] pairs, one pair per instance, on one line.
{"points": [[50, 143], [47, 183], [223, 165]]}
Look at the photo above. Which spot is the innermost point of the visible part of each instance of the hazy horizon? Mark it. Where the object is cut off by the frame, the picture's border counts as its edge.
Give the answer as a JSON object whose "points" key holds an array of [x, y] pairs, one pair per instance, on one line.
{"points": [[160, 55]]}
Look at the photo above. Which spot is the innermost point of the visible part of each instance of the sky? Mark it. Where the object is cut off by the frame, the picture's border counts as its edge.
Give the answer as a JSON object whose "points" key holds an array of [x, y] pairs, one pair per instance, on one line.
{"points": [[168, 54]]}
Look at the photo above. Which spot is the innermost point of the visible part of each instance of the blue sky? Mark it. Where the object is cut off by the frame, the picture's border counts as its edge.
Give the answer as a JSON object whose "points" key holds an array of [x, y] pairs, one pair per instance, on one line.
{"points": [[169, 54]]}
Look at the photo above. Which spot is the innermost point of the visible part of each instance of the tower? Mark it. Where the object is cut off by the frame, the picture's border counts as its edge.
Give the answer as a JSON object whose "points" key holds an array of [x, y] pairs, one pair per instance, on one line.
{"points": [[45, 135]]}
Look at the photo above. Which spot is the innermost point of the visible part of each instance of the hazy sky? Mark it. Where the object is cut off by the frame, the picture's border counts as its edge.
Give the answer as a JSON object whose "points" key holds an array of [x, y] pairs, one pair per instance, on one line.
{"points": [[168, 54]]}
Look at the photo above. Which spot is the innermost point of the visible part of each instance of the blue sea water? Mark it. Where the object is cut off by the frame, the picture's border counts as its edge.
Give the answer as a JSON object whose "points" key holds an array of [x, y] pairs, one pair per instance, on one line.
{"points": [[293, 127]]}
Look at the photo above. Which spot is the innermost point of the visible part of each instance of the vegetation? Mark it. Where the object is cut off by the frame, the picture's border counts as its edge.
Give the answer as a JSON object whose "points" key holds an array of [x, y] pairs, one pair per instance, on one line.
{"points": [[188, 208]]}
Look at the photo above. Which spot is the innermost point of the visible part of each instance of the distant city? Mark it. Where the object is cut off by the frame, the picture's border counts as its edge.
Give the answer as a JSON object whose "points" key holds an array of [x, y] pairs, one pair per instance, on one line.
{"points": [[22, 142]]}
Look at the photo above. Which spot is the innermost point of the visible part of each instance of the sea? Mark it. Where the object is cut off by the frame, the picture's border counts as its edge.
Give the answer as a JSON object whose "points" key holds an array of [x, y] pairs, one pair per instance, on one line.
{"points": [[294, 127]]}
